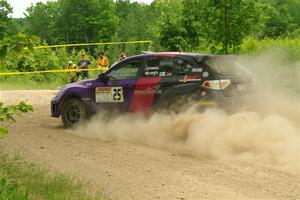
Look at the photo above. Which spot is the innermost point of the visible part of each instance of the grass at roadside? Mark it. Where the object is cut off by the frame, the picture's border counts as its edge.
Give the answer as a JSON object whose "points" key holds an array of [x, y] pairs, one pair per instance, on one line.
{"points": [[22, 180], [25, 83]]}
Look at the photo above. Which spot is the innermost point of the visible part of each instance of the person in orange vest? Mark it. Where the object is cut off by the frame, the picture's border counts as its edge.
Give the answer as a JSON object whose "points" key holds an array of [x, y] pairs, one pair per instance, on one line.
{"points": [[102, 60]]}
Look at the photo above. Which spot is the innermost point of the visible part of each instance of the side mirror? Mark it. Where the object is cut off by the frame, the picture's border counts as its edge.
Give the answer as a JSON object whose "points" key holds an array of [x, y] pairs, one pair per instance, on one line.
{"points": [[103, 77]]}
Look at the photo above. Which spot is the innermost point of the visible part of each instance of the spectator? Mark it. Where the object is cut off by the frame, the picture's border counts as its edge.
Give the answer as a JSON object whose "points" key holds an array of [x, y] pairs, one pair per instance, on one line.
{"points": [[122, 56], [84, 64], [70, 65], [102, 60], [74, 76]]}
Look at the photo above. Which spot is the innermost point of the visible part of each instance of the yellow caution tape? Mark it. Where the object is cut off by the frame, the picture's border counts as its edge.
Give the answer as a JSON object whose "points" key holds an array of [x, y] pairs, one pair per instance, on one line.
{"points": [[93, 44], [52, 71]]}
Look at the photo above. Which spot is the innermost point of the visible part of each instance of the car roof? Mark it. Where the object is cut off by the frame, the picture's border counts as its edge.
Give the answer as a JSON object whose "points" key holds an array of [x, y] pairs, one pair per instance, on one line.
{"points": [[170, 54], [197, 56], [173, 54]]}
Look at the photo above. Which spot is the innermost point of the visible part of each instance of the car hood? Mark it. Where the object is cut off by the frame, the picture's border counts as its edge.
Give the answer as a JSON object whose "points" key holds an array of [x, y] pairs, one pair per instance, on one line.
{"points": [[82, 84]]}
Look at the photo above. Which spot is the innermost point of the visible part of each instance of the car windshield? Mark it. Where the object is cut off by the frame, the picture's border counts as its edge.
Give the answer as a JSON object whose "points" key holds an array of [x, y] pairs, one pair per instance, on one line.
{"points": [[226, 65]]}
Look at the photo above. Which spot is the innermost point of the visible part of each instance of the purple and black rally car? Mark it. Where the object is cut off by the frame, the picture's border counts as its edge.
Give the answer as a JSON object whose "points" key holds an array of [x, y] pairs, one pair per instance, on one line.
{"points": [[153, 81]]}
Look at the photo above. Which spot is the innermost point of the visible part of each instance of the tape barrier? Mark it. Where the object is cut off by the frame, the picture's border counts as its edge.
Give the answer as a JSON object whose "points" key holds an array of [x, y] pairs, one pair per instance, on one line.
{"points": [[52, 71], [93, 44]]}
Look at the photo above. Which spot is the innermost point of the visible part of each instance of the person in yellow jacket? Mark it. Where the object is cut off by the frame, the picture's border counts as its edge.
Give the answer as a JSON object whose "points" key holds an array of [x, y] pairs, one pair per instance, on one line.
{"points": [[74, 75], [102, 60]]}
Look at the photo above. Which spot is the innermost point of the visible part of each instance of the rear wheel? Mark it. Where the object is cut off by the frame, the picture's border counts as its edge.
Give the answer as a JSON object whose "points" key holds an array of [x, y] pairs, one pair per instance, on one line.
{"points": [[73, 111]]}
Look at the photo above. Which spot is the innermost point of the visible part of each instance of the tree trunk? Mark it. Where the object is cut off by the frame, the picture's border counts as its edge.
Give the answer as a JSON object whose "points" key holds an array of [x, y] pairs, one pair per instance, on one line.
{"points": [[87, 41], [226, 28], [67, 37]]}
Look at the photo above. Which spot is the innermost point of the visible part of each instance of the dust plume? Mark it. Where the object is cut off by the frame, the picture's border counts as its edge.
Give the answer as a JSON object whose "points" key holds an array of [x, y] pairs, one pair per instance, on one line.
{"points": [[267, 131]]}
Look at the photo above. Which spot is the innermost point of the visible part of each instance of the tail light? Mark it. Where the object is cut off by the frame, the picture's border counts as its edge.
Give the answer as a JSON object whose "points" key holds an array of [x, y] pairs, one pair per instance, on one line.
{"points": [[217, 84]]}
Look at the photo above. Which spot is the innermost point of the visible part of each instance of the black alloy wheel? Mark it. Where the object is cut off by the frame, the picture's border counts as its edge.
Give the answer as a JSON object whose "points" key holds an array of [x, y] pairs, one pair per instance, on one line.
{"points": [[73, 111]]}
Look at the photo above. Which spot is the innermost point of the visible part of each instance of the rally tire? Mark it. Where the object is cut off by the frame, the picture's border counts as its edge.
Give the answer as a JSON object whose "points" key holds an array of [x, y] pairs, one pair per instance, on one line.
{"points": [[73, 112]]}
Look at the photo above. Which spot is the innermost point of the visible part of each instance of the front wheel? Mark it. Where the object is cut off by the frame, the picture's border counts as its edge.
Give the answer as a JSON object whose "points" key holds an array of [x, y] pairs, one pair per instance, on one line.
{"points": [[73, 111]]}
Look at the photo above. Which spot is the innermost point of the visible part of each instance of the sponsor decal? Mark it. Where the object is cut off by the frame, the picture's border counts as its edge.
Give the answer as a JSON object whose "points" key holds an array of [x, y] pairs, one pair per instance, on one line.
{"points": [[162, 73], [88, 84], [144, 102], [117, 94], [197, 69], [109, 94], [189, 78], [152, 73], [150, 91], [152, 68], [165, 74], [205, 74]]}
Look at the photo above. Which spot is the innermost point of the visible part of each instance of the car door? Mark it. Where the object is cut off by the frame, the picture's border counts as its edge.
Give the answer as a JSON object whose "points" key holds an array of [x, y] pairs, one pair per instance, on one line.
{"points": [[117, 92], [155, 82]]}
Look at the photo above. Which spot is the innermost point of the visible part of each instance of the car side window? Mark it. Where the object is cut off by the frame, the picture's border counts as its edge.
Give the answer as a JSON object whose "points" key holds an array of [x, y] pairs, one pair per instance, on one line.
{"points": [[127, 70], [183, 67], [156, 67]]}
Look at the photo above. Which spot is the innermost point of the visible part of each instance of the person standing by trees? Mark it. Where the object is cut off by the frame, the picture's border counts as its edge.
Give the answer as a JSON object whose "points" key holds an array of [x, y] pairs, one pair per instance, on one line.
{"points": [[122, 56], [84, 64], [102, 60], [74, 76]]}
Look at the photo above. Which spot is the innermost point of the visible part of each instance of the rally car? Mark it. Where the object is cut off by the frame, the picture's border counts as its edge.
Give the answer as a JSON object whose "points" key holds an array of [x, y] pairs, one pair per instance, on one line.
{"points": [[155, 81]]}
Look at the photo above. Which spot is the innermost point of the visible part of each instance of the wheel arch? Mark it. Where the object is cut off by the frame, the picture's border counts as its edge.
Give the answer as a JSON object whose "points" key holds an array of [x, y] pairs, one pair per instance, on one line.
{"points": [[66, 98]]}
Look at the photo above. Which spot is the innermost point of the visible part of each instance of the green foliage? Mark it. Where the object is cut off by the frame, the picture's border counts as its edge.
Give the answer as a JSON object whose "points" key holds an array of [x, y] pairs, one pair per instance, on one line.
{"points": [[42, 19], [5, 10], [72, 21], [174, 25], [223, 23], [131, 20], [21, 180], [9, 191], [276, 18], [292, 7], [223, 26], [291, 47], [3, 132], [19, 45], [172, 35], [8, 113]]}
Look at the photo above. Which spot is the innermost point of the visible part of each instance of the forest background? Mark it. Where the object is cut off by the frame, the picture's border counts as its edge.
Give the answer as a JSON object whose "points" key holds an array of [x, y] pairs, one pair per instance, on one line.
{"points": [[205, 26]]}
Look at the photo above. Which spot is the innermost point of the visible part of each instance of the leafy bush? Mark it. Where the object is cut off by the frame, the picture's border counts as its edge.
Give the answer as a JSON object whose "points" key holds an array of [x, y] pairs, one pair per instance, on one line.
{"points": [[291, 46], [7, 113]]}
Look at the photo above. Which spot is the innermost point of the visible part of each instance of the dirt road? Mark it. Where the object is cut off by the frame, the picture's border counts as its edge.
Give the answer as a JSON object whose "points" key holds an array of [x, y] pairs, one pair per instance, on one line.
{"points": [[131, 170]]}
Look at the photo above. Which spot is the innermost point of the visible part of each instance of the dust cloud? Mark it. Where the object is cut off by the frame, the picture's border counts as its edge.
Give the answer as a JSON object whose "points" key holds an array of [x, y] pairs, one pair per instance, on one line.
{"points": [[266, 131]]}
